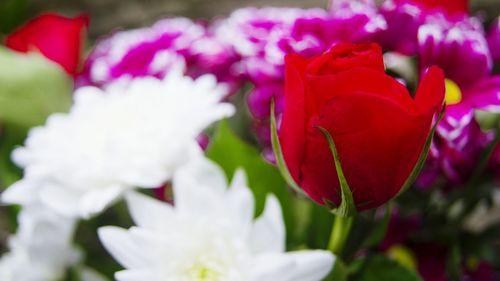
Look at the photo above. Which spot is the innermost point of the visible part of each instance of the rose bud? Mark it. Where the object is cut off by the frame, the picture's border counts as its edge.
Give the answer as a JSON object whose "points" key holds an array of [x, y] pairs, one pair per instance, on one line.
{"points": [[379, 133], [56, 37]]}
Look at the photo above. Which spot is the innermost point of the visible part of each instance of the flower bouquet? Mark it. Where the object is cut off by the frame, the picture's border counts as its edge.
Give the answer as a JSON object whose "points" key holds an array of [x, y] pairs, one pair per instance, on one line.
{"points": [[358, 141]]}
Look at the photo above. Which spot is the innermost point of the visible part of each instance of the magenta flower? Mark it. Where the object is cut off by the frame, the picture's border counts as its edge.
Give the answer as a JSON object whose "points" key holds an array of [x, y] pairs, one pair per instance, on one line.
{"points": [[262, 37], [349, 21], [494, 40], [456, 149], [153, 51], [404, 18], [403, 21], [458, 47]]}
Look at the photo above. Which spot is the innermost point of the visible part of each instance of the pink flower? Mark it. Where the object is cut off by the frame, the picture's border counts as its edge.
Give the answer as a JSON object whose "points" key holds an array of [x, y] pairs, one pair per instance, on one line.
{"points": [[154, 51], [405, 17], [494, 40], [458, 47], [445, 6]]}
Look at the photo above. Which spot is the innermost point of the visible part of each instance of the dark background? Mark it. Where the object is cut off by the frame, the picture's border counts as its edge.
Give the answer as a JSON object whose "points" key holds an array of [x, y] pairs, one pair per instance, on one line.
{"points": [[107, 15]]}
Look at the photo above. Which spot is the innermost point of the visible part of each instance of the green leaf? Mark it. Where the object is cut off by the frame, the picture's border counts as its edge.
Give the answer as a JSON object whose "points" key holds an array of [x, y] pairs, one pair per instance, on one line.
{"points": [[378, 268], [10, 137], [423, 156], [231, 153], [31, 88], [347, 207], [280, 160], [380, 229]]}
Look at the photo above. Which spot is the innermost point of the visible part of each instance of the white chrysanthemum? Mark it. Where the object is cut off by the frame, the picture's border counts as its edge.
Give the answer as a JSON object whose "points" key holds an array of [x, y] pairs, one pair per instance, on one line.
{"points": [[209, 235], [133, 134], [41, 249]]}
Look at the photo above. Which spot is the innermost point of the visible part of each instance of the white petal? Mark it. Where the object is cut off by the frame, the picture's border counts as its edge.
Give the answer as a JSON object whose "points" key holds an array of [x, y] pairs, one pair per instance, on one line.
{"points": [[239, 179], [203, 171], [268, 232], [158, 247], [271, 267], [137, 275], [65, 201], [199, 188], [95, 201], [239, 201], [148, 212], [122, 247], [311, 265], [21, 192]]}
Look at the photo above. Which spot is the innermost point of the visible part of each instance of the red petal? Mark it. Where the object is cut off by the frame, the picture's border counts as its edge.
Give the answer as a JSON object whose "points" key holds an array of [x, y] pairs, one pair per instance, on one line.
{"points": [[431, 91], [292, 130], [346, 56], [57, 38], [323, 88], [378, 142]]}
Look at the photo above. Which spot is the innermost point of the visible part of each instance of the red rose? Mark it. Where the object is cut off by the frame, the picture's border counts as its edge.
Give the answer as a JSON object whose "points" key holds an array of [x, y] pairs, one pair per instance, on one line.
{"points": [[57, 38], [378, 129], [449, 6]]}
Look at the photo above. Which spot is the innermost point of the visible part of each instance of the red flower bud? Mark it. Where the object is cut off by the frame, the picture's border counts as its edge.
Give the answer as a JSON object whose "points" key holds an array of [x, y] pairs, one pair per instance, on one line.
{"points": [[57, 38], [449, 6], [378, 129]]}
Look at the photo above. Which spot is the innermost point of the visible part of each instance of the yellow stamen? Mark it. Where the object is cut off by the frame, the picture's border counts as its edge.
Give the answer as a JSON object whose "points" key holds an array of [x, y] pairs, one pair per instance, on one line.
{"points": [[453, 92], [472, 263], [403, 256]]}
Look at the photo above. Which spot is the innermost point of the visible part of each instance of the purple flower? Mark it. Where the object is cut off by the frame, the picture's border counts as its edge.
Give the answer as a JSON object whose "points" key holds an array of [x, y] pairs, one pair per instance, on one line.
{"points": [[153, 51], [494, 40], [260, 99], [428, 256], [458, 47], [403, 21], [484, 94], [459, 140], [405, 17], [349, 21], [480, 271], [458, 144], [262, 37]]}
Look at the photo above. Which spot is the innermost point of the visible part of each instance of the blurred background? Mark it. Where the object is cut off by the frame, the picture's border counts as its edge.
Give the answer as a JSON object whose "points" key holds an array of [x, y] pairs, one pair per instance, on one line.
{"points": [[108, 15]]}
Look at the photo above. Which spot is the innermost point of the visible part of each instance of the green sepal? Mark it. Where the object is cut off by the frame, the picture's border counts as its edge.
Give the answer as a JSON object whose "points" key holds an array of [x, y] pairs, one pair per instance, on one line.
{"points": [[280, 160], [423, 156], [347, 207]]}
